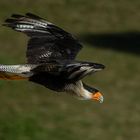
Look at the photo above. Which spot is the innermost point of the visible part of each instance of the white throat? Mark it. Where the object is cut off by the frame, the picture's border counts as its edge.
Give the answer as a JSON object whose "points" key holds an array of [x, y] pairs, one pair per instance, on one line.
{"points": [[79, 90]]}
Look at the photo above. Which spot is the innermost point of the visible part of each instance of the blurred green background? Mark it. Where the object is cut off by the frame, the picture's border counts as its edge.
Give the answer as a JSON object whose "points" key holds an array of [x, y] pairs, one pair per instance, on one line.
{"points": [[110, 32]]}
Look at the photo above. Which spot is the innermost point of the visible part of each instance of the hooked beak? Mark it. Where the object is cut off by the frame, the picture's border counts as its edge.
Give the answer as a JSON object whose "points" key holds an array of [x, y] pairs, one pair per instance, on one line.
{"points": [[98, 96]]}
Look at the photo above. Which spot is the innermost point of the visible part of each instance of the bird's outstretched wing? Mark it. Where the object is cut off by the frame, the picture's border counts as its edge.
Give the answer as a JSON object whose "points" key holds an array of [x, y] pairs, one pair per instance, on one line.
{"points": [[65, 70], [79, 70], [47, 41], [71, 71]]}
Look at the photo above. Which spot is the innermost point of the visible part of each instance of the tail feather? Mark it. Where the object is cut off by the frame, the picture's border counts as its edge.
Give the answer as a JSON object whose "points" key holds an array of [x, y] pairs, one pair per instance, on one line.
{"points": [[11, 76], [15, 72]]}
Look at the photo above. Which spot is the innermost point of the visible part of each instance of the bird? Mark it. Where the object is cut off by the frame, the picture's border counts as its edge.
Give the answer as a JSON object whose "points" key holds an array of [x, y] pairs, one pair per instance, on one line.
{"points": [[51, 53]]}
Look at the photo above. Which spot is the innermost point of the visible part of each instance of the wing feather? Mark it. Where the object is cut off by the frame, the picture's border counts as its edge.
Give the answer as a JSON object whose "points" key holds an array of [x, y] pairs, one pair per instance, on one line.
{"points": [[71, 71], [47, 41]]}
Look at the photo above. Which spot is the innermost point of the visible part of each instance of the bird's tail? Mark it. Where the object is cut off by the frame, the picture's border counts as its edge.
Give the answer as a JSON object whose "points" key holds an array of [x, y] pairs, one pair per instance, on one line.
{"points": [[16, 72]]}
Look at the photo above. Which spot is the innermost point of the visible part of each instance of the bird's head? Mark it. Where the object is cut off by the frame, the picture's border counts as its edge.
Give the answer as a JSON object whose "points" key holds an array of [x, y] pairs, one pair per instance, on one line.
{"points": [[94, 94], [84, 91]]}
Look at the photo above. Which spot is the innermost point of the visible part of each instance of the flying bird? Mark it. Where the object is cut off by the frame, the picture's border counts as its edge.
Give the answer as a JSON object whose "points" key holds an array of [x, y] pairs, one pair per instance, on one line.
{"points": [[51, 53]]}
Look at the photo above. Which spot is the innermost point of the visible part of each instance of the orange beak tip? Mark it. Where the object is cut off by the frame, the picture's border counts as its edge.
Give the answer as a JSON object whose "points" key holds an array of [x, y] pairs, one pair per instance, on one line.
{"points": [[98, 96]]}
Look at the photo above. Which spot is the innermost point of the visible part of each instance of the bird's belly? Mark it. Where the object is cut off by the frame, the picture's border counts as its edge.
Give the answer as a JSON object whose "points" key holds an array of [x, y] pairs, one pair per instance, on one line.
{"points": [[53, 82]]}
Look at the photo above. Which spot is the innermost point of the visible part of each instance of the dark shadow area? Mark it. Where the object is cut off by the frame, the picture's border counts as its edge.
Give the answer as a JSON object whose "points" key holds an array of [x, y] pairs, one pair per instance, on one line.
{"points": [[127, 41]]}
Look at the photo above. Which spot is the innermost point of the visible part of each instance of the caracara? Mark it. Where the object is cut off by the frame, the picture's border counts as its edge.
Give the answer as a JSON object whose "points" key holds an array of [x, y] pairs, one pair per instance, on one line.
{"points": [[51, 60]]}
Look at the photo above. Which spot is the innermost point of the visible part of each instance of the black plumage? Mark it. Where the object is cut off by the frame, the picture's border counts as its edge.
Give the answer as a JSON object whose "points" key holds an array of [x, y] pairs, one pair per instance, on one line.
{"points": [[51, 55]]}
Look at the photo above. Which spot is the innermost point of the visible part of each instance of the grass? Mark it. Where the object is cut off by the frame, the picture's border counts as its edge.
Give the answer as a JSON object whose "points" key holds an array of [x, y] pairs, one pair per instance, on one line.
{"points": [[31, 112]]}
